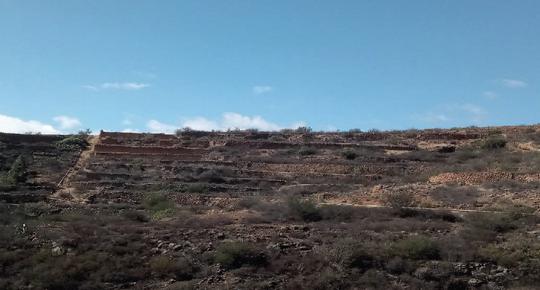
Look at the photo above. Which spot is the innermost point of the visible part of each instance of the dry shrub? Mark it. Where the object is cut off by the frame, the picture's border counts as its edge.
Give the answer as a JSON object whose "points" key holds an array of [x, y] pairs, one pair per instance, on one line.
{"points": [[399, 200], [416, 248], [180, 269], [233, 255]]}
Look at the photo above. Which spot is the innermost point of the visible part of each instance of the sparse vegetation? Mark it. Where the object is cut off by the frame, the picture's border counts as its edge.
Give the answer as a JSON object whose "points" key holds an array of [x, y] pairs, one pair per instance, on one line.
{"points": [[399, 200], [75, 142], [17, 174], [158, 205], [237, 254], [416, 248], [493, 142], [179, 269], [256, 214], [304, 210], [349, 154], [307, 151]]}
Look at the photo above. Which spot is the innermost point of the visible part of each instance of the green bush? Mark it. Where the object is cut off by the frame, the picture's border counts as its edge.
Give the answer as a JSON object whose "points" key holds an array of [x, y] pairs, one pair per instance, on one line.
{"points": [[136, 216], [399, 200], [339, 213], [350, 155], [7, 183], [159, 205], [492, 143], [416, 248], [494, 222], [307, 151], [351, 254], [233, 255], [304, 210], [16, 174], [18, 170], [75, 142], [180, 269], [197, 188], [501, 256]]}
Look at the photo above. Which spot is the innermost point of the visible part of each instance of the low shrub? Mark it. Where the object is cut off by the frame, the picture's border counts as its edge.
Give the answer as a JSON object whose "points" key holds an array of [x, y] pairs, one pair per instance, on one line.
{"points": [[304, 210], [416, 248], [399, 200], [7, 183], [17, 174], [197, 188], [232, 255], [212, 176], [136, 216], [159, 205], [495, 222], [75, 142], [495, 142], [337, 213], [307, 151], [349, 155], [499, 255], [180, 269]]}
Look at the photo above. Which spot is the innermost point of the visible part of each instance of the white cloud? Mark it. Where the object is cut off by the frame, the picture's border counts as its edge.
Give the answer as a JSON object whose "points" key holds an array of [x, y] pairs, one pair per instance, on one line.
{"points": [[490, 95], [157, 127], [235, 120], [259, 90], [15, 125], [201, 123], [127, 86], [228, 120], [129, 130], [67, 122], [514, 84]]}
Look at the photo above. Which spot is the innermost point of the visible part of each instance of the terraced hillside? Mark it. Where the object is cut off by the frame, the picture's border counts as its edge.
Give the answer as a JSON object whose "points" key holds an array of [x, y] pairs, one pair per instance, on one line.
{"points": [[46, 159], [333, 167], [430, 209]]}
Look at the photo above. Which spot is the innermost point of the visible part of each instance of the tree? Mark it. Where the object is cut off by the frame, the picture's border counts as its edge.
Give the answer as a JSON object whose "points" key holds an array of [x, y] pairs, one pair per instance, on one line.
{"points": [[18, 172]]}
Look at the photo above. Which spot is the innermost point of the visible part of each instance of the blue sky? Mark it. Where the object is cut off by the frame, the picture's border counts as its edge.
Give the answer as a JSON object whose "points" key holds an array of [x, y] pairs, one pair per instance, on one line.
{"points": [[159, 65]]}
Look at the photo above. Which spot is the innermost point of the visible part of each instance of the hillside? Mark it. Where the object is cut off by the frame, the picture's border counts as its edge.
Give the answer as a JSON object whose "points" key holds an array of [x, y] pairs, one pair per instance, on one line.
{"points": [[429, 209]]}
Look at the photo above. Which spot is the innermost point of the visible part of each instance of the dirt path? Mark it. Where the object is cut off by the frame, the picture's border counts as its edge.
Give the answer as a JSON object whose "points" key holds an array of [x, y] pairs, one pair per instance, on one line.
{"points": [[63, 184], [452, 210]]}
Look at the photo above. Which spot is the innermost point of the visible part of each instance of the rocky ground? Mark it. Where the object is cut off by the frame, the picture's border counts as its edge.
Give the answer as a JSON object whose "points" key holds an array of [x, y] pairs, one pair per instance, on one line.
{"points": [[431, 209]]}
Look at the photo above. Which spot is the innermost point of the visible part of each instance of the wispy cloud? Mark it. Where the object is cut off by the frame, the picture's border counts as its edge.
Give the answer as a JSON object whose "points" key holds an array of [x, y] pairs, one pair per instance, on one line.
{"points": [[490, 95], [127, 86], [228, 120], [67, 122], [457, 114], [475, 112], [10, 124], [259, 90], [512, 83]]}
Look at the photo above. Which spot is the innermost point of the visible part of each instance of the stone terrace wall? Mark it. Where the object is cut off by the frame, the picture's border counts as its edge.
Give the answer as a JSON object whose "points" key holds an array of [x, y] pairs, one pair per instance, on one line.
{"points": [[321, 145], [106, 148], [24, 138]]}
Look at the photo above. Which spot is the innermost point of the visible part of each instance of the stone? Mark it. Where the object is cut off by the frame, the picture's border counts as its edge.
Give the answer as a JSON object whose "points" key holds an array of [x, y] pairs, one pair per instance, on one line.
{"points": [[474, 282], [57, 251]]}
